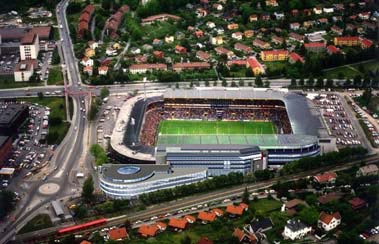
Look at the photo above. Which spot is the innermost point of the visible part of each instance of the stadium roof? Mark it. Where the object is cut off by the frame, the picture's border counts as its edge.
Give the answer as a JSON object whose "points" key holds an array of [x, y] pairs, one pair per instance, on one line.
{"points": [[303, 117], [133, 173], [263, 141]]}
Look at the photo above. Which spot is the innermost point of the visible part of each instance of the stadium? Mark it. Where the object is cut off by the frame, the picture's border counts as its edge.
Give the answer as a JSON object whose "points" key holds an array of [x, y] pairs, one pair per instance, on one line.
{"points": [[222, 129]]}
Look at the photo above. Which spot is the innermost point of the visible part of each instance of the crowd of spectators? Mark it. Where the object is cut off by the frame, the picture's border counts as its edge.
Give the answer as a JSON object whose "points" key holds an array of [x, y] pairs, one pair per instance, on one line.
{"points": [[228, 110]]}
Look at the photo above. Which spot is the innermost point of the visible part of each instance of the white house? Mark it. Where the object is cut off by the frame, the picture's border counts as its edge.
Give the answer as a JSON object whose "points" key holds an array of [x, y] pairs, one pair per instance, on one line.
{"points": [[211, 25], [93, 44], [237, 35], [87, 61], [110, 51], [29, 47], [328, 10], [329, 221], [295, 229], [103, 70]]}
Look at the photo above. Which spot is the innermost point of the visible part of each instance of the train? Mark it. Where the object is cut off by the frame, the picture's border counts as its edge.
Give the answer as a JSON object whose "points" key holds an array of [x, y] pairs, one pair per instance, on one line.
{"points": [[80, 227]]}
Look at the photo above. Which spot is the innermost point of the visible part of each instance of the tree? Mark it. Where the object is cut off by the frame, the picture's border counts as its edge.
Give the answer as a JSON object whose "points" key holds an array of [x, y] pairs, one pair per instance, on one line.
{"points": [[329, 83], [104, 92], [55, 59], [215, 83], [224, 83], [241, 83], [80, 211], [40, 95], [186, 240], [311, 81], [301, 82], [177, 85], [93, 110], [245, 196], [207, 83], [258, 81], [88, 189], [293, 82], [309, 215], [99, 154], [7, 202], [320, 82]]}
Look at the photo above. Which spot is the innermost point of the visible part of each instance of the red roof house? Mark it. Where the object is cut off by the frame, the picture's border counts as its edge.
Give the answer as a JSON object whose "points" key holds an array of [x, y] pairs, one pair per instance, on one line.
{"points": [[357, 203], [206, 216], [118, 234], [327, 177], [178, 223]]}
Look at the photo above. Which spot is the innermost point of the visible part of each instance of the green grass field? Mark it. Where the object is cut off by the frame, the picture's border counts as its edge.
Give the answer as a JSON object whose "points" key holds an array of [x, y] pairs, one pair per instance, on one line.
{"points": [[191, 127]]}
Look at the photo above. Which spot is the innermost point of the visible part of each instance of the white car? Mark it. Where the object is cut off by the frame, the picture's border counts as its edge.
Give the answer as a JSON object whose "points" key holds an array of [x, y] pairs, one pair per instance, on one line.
{"points": [[154, 218]]}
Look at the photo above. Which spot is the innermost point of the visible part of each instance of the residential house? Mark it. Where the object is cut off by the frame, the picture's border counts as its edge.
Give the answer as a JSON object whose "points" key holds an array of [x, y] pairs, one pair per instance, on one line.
{"points": [[244, 237], [217, 6], [110, 51], [265, 17], [260, 225], [336, 18], [309, 23], [364, 15], [113, 23], [180, 49], [277, 40], [261, 44], [253, 18], [178, 223], [89, 52], [206, 217], [158, 54], [350, 27], [290, 206], [368, 25], [242, 47], [103, 70], [329, 197], [204, 240], [274, 55], [84, 19], [272, 3], [118, 234], [178, 67], [367, 170], [201, 12], [315, 47], [143, 68], [295, 12], [236, 210], [190, 219], [203, 56], [328, 10], [237, 35], [294, 58], [331, 49], [217, 40], [88, 70], [248, 33], [295, 229], [236, 62], [86, 61], [317, 10], [147, 47], [220, 30], [222, 50], [140, 59], [152, 230], [307, 12], [316, 36], [329, 221], [335, 29], [135, 50], [366, 43], [322, 21], [295, 26], [296, 37], [169, 39], [210, 25], [350, 41], [255, 66], [339, 6], [199, 33], [93, 44], [232, 26], [180, 35], [160, 17], [279, 15], [357, 203], [325, 178], [218, 212], [85, 242]]}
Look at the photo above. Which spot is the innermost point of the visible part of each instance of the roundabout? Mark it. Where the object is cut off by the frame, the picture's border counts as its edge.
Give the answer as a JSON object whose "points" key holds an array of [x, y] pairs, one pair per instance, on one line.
{"points": [[48, 188]]}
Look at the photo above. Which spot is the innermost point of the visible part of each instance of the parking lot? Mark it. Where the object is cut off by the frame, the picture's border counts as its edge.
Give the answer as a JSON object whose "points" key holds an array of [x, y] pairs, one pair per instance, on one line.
{"points": [[30, 152], [373, 132], [44, 65], [107, 117], [8, 63], [337, 120]]}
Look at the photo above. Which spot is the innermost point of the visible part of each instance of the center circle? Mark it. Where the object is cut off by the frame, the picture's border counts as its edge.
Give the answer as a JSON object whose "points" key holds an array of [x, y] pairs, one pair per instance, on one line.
{"points": [[48, 188], [128, 170]]}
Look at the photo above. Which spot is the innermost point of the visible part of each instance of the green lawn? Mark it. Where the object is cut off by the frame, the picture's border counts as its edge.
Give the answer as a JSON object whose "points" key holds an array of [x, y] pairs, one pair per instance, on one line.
{"points": [[349, 71], [55, 76], [59, 128], [191, 127], [7, 82], [39, 222]]}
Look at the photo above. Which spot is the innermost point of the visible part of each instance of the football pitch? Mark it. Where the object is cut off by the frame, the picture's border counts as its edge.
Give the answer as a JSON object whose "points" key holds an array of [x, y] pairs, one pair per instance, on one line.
{"points": [[193, 127]]}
